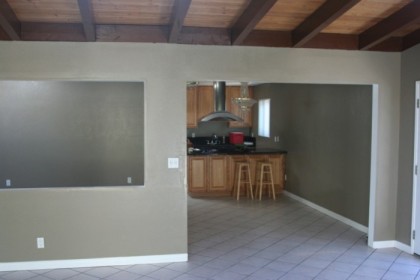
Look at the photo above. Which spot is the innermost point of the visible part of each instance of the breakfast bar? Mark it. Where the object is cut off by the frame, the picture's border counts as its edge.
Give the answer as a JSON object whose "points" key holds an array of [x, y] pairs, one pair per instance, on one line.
{"points": [[211, 171]]}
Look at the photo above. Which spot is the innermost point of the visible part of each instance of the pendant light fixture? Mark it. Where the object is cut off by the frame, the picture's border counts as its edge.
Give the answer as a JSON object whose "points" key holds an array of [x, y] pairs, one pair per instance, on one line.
{"points": [[244, 101]]}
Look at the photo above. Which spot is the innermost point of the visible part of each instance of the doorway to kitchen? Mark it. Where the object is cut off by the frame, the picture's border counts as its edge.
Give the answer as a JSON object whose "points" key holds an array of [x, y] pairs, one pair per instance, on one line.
{"points": [[329, 112]]}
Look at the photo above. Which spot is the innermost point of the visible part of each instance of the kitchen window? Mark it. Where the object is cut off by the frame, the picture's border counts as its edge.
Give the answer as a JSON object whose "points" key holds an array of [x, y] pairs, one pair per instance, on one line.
{"points": [[264, 117]]}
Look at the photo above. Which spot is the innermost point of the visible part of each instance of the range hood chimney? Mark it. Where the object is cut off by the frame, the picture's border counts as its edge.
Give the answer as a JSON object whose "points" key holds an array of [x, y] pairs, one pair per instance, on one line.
{"points": [[220, 113]]}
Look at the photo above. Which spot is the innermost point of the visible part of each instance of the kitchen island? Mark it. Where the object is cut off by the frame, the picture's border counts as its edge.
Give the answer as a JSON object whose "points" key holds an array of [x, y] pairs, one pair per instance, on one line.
{"points": [[212, 174]]}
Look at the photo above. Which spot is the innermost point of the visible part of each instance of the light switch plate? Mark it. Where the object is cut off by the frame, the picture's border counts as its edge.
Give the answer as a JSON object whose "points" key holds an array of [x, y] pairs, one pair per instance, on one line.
{"points": [[40, 244], [8, 183], [173, 162]]}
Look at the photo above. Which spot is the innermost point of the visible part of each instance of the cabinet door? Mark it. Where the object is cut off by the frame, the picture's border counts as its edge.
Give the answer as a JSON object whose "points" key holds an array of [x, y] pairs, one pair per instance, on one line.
{"points": [[191, 107], [234, 92], [218, 175], [197, 179], [278, 162], [205, 101]]}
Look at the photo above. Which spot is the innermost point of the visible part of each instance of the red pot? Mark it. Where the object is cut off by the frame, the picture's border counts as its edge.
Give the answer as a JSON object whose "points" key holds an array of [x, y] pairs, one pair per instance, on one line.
{"points": [[236, 138]]}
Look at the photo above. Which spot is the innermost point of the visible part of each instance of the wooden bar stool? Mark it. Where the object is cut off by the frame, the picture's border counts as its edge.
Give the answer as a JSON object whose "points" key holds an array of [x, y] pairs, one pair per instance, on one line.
{"points": [[242, 178], [264, 178]]}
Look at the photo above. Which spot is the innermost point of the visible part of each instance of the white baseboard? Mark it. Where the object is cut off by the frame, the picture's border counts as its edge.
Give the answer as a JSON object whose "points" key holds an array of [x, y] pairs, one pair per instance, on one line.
{"points": [[330, 213], [383, 244], [55, 264], [392, 244], [404, 247], [376, 244]]}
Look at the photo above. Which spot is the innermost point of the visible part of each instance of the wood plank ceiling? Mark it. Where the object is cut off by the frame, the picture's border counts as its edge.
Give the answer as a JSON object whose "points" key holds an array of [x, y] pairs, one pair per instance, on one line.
{"points": [[382, 25]]}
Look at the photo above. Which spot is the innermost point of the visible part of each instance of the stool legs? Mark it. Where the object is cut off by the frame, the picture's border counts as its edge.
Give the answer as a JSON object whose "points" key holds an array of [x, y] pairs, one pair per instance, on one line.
{"points": [[264, 178], [242, 177]]}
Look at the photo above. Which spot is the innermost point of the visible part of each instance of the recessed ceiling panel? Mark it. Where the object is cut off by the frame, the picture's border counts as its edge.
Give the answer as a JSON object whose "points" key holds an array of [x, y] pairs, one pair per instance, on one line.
{"points": [[214, 13], [147, 12], [286, 15], [51, 11], [364, 15]]}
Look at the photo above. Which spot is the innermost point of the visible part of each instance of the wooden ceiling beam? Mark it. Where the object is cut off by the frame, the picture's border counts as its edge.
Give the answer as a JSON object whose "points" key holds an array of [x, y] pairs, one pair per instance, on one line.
{"points": [[321, 18], [179, 13], [9, 22], [392, 44], [73, 32], [388, 26], [283, 39], [268, 38], [3, 35], [411, 40], [204, 36], [255, 11], [37, 31], [85, 7], [333, 41], [132, 33]]}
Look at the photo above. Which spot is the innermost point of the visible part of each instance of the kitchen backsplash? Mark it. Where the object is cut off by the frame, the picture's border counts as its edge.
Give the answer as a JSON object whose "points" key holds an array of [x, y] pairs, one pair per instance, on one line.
{"points": [[219, 128]]}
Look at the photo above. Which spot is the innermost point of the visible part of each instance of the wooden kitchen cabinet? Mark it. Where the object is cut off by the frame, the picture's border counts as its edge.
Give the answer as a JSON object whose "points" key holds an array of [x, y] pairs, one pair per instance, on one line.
{"points": [[218, 175], [279, 170], [214, 174], [207, 175], [234, 92], [197, 174], [191, 106], [205, 101], [200, 102]]}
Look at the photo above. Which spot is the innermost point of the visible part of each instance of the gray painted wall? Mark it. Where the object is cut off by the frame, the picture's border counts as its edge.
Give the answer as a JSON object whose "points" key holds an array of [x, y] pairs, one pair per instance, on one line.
{"points": [[410, 73], [60, 134], [153, 219], [326, 130]]}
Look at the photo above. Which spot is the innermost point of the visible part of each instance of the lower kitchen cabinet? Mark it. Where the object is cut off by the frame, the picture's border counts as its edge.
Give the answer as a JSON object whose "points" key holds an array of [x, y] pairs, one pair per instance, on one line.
{"points": [[207, 175], [218, 177], [197, 174], [279, 171], [214, 174]]}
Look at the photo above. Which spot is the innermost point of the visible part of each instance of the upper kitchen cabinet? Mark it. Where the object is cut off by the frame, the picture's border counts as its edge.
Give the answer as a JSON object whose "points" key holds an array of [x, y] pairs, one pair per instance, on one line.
{"points": [[205, 101], [191, 106], [200, 103], [234, 92]]}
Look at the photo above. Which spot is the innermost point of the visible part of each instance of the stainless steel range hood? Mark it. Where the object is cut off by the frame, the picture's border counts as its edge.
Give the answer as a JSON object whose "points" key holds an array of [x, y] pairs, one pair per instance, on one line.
{"points": [[220, 113]]}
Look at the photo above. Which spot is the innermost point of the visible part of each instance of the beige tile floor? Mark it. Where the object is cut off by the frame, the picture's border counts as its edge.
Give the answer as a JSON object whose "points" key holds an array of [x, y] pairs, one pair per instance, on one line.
{"points": [[281, 239]]}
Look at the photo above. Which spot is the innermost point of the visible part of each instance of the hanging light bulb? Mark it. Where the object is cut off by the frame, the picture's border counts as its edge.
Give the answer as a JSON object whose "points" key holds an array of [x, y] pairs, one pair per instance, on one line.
{"points": [[244, 101]]}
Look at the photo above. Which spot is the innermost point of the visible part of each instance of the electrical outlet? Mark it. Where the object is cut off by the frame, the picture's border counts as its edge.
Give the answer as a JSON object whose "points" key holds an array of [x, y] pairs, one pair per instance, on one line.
{"points": [[173, 162], [193, 135], [8, 183], [40, 243], [129, 180]]}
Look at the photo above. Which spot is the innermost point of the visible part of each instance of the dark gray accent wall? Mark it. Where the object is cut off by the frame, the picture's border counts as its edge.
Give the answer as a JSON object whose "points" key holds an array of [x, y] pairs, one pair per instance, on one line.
{"points": [[410, 73], [66, 134], [326, 130]]}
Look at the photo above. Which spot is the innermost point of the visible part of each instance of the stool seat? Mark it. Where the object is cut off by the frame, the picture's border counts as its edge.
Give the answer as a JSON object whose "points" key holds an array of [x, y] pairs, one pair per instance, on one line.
{"points": [[242, 177], [264, 178]]}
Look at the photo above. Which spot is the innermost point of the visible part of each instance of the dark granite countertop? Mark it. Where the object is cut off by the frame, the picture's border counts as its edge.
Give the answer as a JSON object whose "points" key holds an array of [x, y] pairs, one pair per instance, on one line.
{"points": [[240, 151]]}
